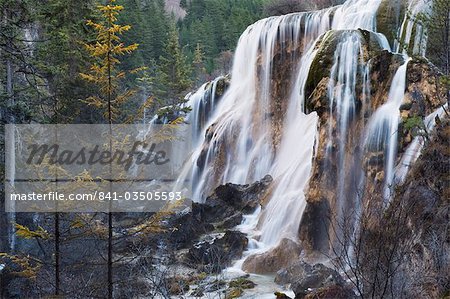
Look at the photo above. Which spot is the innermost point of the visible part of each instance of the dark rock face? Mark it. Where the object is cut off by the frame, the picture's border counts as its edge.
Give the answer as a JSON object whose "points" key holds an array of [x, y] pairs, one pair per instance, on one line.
{"points": [[304, 278], [315, 225], [199, 233], [217, 254], [223, 210], [316, 281], [425, 195], [292, 273], [185, 229], [229, 202]]}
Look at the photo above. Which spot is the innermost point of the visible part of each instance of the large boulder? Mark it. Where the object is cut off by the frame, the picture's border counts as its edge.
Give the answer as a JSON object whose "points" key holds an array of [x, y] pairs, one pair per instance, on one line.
{"points": [[183, 229], [270, 262], [229, 202], [305, 278], [215, 253]]}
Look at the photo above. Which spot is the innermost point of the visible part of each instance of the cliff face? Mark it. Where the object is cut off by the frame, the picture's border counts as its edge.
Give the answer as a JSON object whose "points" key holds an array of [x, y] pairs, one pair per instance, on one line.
{"points": [[425, 196], [423, 95]]}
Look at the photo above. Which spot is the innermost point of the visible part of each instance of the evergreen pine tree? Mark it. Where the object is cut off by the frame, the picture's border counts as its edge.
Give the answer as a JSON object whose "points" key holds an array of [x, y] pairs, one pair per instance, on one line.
{"points": [[173, 77]]}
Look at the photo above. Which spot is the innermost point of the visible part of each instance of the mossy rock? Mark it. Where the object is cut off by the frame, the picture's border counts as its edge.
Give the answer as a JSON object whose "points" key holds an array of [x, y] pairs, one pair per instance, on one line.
{"points": [[390, 17], [327, 45], [234, 293], [222, 85], [279, 295], [242, 283]]}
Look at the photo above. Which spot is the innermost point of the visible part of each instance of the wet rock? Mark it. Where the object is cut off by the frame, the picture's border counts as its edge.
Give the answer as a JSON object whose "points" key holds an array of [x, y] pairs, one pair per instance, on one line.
{"points": [[389, 18], [228, 202], [184, 229], [279, 295], [424, 89], [242, 283], [331, 292], [327, 45], [314, 226], [234, 293], [215, 286], [217, 253], [312, 277], [270, 262], [290, 274]]}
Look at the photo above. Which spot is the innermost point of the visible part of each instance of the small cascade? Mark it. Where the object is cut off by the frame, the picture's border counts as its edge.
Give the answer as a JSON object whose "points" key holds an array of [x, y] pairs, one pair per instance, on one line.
{"points": [[414, 149], [412, 36], [382, 133], [342, 99], [203, 103]]}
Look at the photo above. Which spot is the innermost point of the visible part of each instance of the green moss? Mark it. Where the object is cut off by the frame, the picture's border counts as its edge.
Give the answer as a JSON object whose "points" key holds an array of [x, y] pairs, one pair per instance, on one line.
{"points": [[242, 283], [389, 18], [323, 61]]}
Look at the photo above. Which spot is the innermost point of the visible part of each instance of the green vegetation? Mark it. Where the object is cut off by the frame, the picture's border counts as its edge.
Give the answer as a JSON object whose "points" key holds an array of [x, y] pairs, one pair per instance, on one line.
{"points": [[42, 53], [216, 25]]}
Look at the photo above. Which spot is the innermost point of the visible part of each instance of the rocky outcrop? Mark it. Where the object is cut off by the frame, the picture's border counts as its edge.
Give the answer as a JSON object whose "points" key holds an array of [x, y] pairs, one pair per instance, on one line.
{"points": [[226, 206], [309, 281], [215, 253], [390, 17], [202, 237], [425, 200], [423, 95], [269, 262]]}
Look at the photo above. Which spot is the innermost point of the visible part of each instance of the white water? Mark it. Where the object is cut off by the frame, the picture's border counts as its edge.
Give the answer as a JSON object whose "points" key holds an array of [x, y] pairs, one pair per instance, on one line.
{"points": [[414, 149], [342, 94], [410, 25], [383, 127], [203, 103], [242, 122]]}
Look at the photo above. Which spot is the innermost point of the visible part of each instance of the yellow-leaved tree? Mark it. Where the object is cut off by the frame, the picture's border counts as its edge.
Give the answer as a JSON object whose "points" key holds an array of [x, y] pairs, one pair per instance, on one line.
{"points": [[106, 51], [106, 75]]}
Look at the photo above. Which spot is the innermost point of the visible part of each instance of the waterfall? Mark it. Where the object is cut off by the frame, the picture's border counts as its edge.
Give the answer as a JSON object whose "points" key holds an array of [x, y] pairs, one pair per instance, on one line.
{"points": [[280, 145], [342, 93], [412, 36], [383, 127], [413, 151], [203, 103], [247, 135]]}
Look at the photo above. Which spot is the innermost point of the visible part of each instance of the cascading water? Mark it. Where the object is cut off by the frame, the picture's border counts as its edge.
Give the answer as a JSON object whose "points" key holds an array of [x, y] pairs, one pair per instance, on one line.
{"points": [[342, 94], [412, 36], [245, 110], [203, 103], [383, 128], [248, 136], [413, 151]]}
